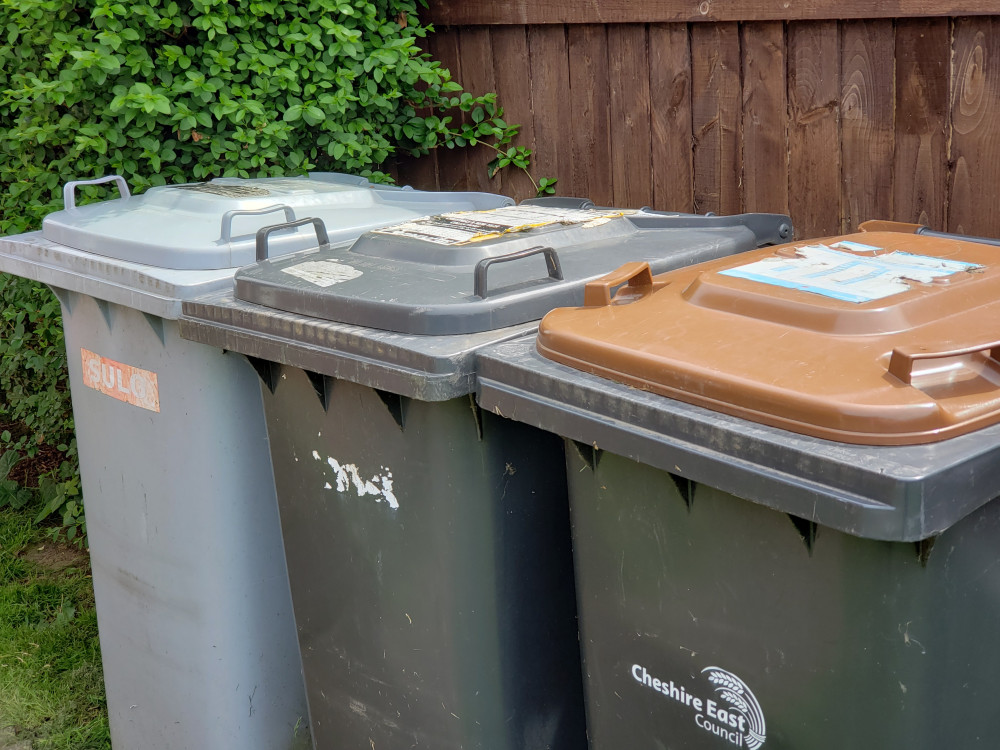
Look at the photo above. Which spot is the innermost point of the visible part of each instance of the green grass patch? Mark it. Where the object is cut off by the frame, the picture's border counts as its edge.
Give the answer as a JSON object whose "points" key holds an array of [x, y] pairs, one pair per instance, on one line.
{"points": [[51, 685]]}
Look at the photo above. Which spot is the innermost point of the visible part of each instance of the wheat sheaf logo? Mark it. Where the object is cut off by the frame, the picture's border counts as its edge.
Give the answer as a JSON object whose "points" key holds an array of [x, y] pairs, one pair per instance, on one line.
{"points": [[734, 691]]}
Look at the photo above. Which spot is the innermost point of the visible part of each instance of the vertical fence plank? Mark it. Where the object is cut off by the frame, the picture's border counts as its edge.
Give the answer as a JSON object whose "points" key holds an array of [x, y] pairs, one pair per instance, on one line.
{"points": [[813, 128], [418, 172], [975, 128], [444, 46], [476, 51], [589, 172], [715, 105], [513, 80], [765, 118], [923, 59], [867, 99], [670, 117], [549, 101], [631, 170]]}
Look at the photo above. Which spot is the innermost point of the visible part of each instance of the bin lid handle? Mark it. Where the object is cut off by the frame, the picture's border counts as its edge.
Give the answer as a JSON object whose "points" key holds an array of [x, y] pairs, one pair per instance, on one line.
{"points": [[637, 275], [552, 265], [264, 232], [69, 194], [903, 363], [226, 233]]}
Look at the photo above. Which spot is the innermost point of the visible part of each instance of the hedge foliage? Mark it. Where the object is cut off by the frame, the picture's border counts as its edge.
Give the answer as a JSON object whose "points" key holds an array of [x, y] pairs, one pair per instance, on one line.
{"points": [[162, 91]]}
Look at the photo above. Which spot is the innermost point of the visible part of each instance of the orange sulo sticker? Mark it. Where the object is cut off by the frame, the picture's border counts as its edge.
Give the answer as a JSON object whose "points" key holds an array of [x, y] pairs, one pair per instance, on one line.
{"points": [[123, 382]]}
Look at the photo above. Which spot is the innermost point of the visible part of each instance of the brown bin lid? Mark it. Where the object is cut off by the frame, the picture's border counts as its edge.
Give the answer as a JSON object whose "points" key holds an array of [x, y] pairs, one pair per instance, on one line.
{"points": [[880, 338]]}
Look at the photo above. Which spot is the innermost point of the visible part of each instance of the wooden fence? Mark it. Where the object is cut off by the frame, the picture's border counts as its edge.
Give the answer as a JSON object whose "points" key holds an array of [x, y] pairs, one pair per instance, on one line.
{"points": [[689, 105]]}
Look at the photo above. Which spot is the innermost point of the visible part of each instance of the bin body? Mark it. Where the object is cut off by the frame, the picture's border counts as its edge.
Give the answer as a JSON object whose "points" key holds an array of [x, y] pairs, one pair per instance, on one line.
{"points": [[194, 615], [427, 541], [448, 620], [844, 641], [194, 612], [740, 584]]}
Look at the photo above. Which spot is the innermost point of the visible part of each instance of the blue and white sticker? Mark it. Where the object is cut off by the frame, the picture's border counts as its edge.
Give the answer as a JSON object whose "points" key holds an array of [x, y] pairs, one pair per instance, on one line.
{"points": [[846, 276]]}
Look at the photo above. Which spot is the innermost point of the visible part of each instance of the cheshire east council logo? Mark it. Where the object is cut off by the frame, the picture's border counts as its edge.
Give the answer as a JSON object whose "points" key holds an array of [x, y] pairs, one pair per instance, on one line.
{"points": [[732, 713]]}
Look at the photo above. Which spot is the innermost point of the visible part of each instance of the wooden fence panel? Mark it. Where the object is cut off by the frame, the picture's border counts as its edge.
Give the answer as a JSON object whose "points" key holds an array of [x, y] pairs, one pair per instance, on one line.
{"points": [[715, 106], [453, 167], [670, 116], [920, 162], [589, 172], [975, 140], [765, 118], [833, 121], [814, 127], [510, 55], [867, 108], [550, 100], [628, 65]]}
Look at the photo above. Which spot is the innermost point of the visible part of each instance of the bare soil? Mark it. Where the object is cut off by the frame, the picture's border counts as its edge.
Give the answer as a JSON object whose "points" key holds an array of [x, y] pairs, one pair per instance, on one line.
{"points": [[55, 556], [28, 469]]}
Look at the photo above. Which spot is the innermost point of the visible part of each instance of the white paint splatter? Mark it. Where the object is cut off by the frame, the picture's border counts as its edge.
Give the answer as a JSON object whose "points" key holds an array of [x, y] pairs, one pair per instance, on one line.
{"points": [[327, 486], [317, 456], [349, 477]]}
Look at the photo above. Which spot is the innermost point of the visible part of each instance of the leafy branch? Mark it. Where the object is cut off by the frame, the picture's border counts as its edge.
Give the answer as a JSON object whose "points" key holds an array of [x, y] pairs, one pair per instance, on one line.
{"points": [[487, 123]]}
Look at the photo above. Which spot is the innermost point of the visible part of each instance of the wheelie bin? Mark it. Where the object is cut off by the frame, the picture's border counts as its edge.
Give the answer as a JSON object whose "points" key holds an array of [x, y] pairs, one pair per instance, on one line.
{"points": [[782, 472], [427, 541], [194, 614]]}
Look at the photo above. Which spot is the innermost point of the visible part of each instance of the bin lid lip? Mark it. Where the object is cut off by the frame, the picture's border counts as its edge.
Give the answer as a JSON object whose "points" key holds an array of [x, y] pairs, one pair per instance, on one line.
{"points": [[212, 225], [879, 338], [892, 492], [470, 271]]}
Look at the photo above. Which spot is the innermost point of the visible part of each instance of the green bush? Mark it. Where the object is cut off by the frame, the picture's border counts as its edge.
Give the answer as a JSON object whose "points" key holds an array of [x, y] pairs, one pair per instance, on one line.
{"points": [[161, 92]]}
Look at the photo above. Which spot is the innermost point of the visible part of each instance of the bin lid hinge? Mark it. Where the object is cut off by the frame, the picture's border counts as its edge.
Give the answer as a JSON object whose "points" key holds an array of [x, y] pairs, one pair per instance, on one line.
{"points": [[268, 371], [156, 323], [807, 530], [322, 384], [685, 487], [590, 454], [396, 405], [924, 547]]}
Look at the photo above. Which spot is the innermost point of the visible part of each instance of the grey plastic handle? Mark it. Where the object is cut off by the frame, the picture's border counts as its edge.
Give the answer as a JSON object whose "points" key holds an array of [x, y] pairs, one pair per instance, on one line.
{"points": [[227, 218], [558, 201], [551, 263], [769, 229], [264, 232], [949, 236], [69, 189]]}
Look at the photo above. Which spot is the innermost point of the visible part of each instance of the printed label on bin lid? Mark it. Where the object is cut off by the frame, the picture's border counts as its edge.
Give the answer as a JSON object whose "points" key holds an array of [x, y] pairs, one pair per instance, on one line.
{"points": [[463, 227], [323, 273], [227, 191], [821, 269]]}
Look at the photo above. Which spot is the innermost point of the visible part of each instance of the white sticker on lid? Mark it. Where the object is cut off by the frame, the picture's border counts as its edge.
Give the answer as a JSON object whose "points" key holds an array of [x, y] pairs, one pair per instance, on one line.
{"points": [[323, 273], [464, 227], [832, 273]]}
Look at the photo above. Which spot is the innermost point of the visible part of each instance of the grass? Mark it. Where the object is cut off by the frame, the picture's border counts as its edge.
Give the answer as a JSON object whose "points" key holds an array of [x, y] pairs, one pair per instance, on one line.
{"points": [[51, 685]]}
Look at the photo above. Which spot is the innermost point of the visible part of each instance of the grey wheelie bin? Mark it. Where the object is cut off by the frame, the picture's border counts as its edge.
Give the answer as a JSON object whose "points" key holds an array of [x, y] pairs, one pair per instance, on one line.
{"points": [[782, 476], [196, 629], [427, 542]]}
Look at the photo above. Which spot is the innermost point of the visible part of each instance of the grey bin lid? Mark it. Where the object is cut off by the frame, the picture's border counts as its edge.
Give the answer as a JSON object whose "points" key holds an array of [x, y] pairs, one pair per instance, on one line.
{"points": [[469, 272], [212, 225]]}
